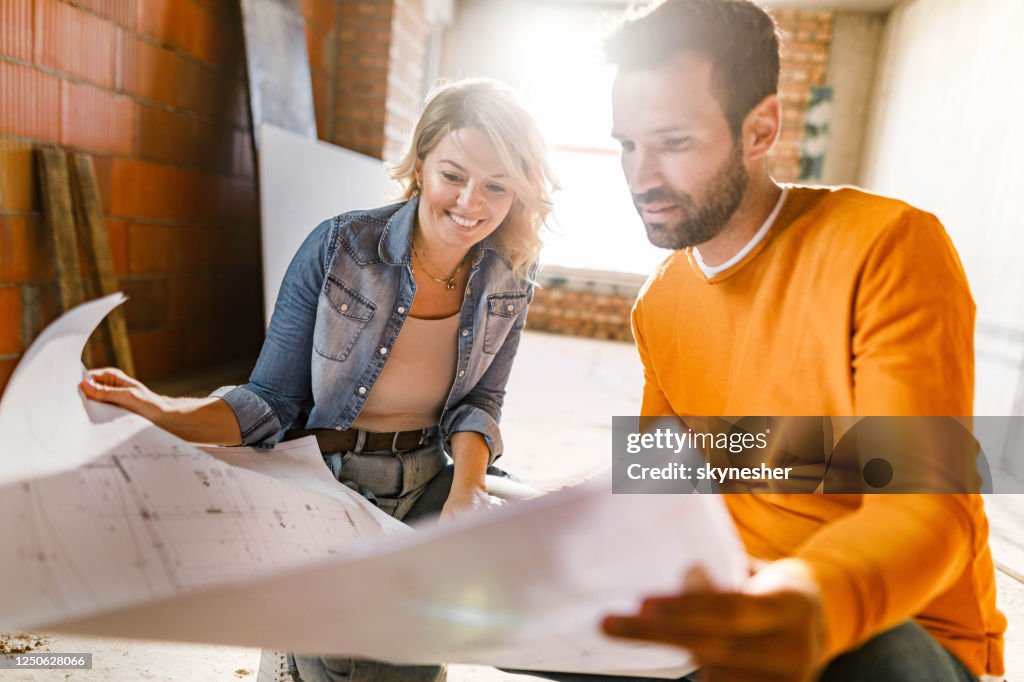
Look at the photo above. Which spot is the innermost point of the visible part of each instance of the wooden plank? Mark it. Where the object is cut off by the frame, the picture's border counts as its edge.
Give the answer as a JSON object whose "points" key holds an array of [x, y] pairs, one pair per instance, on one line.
{"points": [[58, 212], [100, 271], [57, 209]]}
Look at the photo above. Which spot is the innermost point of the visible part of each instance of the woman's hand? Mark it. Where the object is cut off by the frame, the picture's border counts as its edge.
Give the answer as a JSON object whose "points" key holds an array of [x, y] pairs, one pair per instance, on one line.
{"points": [[111, 385], [469, 491], [464, 500], [197, 420]]}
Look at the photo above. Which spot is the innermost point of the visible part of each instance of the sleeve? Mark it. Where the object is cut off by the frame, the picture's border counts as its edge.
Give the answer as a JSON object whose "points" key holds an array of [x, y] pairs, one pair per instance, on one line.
{"points": [[480, 410], [281, 382], [654, 403], [912, 355]]}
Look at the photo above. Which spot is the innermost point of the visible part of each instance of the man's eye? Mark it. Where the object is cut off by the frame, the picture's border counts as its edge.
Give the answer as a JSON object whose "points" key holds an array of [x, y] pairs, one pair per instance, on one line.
{"points": [[676, 143], [627, 146]]}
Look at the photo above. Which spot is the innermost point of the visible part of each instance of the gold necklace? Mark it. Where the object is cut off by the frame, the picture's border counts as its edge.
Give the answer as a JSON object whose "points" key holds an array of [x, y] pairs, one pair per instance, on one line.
{"points": [[448, 281]]}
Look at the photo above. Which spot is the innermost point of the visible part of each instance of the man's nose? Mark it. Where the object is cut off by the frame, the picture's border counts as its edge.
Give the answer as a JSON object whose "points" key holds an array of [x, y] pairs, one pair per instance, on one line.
{"points": [[643, 172]]}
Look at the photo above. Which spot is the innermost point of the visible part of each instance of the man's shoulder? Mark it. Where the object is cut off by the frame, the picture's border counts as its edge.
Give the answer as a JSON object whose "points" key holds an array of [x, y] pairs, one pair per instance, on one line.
{"points": [[851, 212]]}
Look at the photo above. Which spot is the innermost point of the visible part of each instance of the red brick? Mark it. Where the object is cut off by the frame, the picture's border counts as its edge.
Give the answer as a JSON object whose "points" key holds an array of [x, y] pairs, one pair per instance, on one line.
{"points": [[156, 248], [6, 370], [117, 239], [157, 353], [146, 307], [201, 89], [10, 320], [29, 102], [208, 344], [190, 299], [147, 69], [96, 119], [120, 11], [26, 250], [319, 12], [17, 177], [16, 29], [316, 43], [140, 189], [186, 25], [72, 40], [164, 135]]}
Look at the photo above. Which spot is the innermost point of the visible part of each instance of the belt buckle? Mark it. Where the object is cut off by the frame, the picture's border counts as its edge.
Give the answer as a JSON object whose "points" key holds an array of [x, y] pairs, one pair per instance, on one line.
{"points": [[394, 442]]}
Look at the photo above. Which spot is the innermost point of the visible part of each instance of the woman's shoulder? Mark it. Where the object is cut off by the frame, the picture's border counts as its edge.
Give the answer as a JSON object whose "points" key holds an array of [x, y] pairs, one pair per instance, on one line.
{"points": [[360, 232]]}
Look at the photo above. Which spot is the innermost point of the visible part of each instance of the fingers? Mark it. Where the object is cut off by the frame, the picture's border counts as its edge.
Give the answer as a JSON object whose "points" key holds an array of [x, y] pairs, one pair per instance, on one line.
{"points": [[107, 393], [736, 613], [111, 376]]}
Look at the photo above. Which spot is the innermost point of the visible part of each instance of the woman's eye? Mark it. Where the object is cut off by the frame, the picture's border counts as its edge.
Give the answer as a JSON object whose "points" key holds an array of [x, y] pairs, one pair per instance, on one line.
{"points": [[495, 189], [450, 177]]}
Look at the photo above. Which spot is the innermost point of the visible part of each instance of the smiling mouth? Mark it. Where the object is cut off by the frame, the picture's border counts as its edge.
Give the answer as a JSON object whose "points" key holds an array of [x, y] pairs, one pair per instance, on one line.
{"points": [[462, 222]]}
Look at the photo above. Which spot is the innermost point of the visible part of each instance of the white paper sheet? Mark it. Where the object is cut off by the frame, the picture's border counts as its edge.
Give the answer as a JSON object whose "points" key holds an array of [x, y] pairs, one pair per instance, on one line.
{"points": [[152, 537], [47, 428]]}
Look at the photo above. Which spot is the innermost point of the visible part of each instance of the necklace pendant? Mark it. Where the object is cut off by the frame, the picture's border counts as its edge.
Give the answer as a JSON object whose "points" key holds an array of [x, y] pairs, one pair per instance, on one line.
{"points": [[451, 284]]}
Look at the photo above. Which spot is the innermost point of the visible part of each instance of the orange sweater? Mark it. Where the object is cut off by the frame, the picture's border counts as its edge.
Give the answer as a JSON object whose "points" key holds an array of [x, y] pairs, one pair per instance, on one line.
{"points": [[853, 304]]}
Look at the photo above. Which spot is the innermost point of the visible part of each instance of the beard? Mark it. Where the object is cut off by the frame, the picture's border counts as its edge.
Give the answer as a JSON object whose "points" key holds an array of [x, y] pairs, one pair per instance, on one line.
{"points": [[700, 222]]}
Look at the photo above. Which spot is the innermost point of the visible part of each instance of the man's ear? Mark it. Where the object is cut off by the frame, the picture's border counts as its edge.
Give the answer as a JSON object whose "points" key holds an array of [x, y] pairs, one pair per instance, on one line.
{"points": [[761, 128]]}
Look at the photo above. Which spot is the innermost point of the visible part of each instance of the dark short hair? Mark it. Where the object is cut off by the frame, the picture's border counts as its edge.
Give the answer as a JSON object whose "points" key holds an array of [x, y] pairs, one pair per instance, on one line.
{"points": [[739, 38]]}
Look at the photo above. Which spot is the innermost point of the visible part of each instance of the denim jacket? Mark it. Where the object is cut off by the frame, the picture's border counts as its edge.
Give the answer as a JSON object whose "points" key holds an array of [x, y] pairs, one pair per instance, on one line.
{"points": [[340, 308]]}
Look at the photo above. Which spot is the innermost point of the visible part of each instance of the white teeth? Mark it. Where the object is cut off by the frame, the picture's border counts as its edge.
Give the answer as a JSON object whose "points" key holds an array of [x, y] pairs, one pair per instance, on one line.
{"points": [[462, 221]]}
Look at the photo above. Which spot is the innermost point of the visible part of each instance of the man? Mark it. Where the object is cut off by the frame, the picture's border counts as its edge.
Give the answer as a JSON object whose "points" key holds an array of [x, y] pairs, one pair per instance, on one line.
{"points": [[796, 301]]}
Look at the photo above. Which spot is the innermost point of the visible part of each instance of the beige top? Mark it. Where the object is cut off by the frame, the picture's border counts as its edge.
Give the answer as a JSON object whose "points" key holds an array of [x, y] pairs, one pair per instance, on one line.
{"points": [[414, 384]]}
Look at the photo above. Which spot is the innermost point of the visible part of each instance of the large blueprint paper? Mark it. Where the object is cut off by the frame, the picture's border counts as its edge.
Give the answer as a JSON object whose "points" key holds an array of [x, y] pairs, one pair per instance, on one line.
{"points": [[140, 534], [523, 587]]}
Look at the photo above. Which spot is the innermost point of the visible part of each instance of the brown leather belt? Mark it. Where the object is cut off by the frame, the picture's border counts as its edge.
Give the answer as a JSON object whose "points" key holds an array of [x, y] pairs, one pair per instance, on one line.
{"points": [[332, 440]]}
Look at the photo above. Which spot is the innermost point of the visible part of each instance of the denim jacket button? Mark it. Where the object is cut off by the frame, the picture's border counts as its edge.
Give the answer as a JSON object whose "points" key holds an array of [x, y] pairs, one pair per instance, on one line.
{"points": [[462, 372], [362, 390], [401, 309], [511, 307], [338, 428], [465, 332], [344, 307], [383, 351]]}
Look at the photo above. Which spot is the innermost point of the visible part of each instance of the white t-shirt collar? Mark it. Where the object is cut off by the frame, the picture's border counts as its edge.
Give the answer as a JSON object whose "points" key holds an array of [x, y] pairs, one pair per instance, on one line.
{"points": [[712, 270]]}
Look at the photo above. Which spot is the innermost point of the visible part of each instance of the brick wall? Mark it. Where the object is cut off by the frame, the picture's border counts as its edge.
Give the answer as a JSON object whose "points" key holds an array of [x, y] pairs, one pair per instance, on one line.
{"points": [[806, 37], [155, 92], [371, 99]]}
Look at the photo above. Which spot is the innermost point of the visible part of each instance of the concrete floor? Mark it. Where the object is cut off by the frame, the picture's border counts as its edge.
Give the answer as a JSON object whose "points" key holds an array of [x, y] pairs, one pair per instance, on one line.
{"points": [[557, 429]]}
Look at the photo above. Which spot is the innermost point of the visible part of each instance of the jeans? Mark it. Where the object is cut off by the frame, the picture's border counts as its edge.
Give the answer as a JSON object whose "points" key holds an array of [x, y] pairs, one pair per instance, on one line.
{"points": [[412, 486], [906, 653]]}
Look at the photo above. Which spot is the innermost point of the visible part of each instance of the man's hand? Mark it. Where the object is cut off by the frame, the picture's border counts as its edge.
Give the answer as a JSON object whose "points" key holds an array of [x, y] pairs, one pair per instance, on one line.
{"points": [[462, 500], [772, 630]]}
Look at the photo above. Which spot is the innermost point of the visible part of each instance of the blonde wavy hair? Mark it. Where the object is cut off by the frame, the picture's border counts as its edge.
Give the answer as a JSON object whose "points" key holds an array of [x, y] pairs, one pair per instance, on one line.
{"points": [[493, 109]]}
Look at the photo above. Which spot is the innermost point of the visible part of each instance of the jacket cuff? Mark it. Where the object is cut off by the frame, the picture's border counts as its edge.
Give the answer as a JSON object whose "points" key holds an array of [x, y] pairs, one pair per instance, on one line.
{"points": [[472, 418], [256, 418]]}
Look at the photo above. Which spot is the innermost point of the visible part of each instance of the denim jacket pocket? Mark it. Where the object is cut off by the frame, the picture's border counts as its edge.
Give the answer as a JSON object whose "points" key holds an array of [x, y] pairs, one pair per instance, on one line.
{"points": [[342, 313], [502, 311]]}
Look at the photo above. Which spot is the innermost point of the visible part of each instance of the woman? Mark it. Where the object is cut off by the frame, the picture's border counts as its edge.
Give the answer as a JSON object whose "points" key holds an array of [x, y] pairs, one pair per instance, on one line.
{"points": [[398, 322], [395, 328]]}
